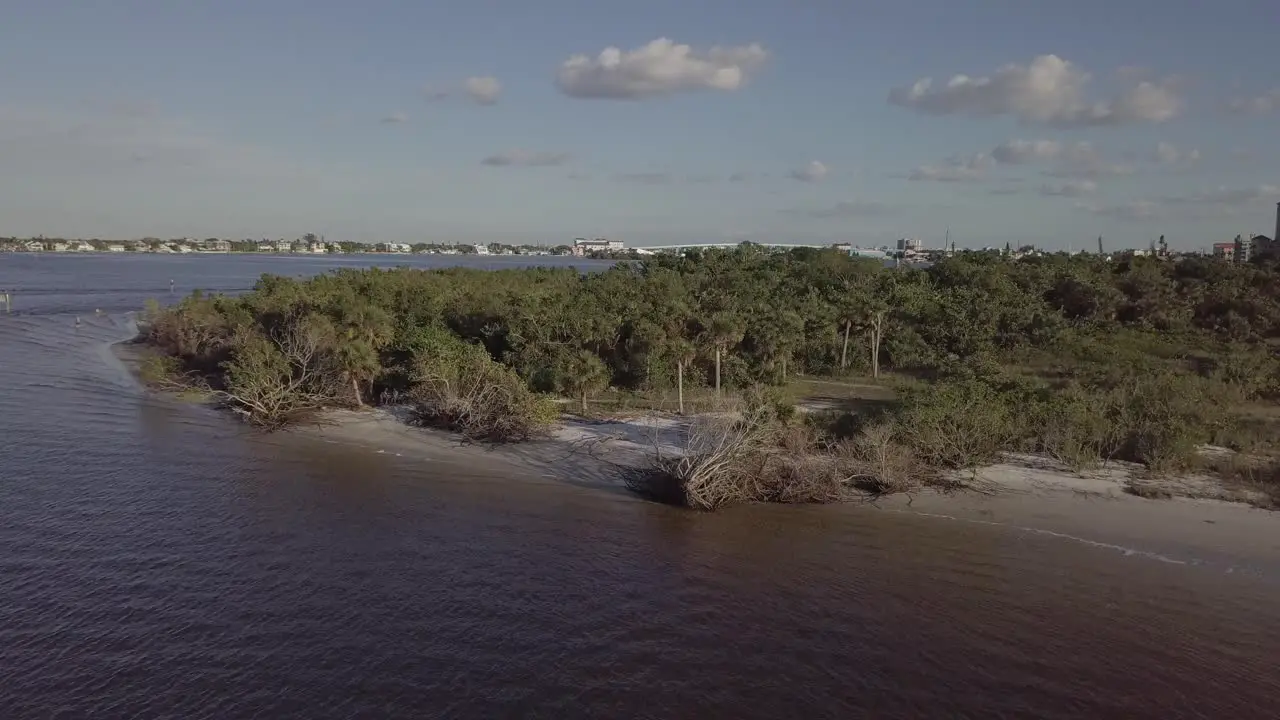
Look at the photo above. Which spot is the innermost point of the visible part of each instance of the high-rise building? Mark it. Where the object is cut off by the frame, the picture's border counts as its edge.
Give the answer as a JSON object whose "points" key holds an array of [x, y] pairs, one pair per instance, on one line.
{"points": [[1244, 248]]}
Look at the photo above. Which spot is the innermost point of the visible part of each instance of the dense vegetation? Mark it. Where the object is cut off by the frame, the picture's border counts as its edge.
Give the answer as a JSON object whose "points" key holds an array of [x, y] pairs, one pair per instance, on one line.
{"points": [[1076, 357]]}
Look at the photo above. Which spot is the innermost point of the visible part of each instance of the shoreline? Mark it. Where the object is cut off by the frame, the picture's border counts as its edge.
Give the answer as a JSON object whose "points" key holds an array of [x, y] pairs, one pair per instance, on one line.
{"points": [[1023, 493]]}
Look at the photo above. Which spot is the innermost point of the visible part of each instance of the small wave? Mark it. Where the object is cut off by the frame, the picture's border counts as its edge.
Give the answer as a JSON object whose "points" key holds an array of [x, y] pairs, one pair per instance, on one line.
{"points": [[1122, 549]]}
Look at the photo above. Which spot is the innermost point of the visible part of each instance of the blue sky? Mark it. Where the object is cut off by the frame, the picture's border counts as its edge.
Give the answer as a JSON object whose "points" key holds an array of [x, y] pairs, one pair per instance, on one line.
{"points": [[795, 120]]}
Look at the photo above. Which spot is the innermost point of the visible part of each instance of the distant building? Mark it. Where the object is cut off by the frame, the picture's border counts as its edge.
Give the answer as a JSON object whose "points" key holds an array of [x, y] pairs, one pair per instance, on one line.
{"points": [[1225, 250], [217, 245], [1264, 246], [482, 249], [1244, 249], [115, 247], [583, 246], [858, 251], [910, 244]]}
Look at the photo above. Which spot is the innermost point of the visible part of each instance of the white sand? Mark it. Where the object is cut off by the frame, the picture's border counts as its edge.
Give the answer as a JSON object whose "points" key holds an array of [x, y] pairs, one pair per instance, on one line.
{"points": [[1027, 494]]}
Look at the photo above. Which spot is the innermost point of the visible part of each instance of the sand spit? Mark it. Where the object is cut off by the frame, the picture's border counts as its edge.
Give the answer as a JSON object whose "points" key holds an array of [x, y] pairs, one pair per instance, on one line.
{"points": [[1203, 523]]}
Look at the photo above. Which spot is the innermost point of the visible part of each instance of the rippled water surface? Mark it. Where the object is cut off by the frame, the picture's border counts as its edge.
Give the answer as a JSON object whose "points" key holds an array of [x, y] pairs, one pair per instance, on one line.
{"points": [[159, 560]]}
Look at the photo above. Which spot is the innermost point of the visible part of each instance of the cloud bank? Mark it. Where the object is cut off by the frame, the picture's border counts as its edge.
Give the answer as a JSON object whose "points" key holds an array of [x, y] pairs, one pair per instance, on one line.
{"points": [[1048, 91], [659, 68]]}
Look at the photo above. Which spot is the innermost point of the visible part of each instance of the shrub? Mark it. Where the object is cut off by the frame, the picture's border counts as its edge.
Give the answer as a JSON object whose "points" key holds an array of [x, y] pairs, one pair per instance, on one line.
{"points": [[280, 378], [1071, 427], [752, 458], [460, 387], [160, 371], [883, 464], [958, 424], [1160, 420]]}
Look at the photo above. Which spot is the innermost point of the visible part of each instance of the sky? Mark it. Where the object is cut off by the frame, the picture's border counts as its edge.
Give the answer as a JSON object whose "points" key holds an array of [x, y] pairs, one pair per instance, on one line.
{"points": [[996, 121]]}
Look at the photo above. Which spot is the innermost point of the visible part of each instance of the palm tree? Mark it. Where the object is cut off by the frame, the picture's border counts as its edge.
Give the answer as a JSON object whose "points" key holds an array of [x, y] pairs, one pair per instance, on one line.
{"points": [[724, 331], [366, 329], [778, 338], [683, 351], [584, 374]]}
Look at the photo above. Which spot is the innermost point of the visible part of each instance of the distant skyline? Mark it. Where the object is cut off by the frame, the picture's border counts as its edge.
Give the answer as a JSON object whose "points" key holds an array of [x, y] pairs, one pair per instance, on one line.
{"points": [[715, 121]]}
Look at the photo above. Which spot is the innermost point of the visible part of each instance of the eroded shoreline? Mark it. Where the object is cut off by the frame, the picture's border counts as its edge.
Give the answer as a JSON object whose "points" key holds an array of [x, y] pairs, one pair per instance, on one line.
{"points": [[1026, 494]]}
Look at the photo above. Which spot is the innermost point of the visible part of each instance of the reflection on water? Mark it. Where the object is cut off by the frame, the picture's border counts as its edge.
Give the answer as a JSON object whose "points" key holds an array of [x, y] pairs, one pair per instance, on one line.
{"points": [[160, 560]]}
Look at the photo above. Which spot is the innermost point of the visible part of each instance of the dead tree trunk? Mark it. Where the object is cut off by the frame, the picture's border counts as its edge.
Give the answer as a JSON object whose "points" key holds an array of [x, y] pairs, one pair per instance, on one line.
{"points": [[717, 372], [844, 349], [680, 385], [876, 331]]}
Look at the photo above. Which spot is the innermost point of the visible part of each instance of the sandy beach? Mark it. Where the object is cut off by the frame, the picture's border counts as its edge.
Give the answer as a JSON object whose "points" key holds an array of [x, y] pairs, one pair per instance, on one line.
{"points": [[1024, 493]]}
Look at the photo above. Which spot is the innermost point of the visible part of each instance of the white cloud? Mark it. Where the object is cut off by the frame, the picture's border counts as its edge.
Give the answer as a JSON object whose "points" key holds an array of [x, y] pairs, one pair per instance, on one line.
{"points": [[661, 67], [396, 118], [956, 168], [525, 158], [1083, 161], [813, 172], [1257, 104], [944, 173], [480, 89], [483, 90], [1169, 154], [1019, 152], [1072, 189], [1166, 154], [1049, 91]]}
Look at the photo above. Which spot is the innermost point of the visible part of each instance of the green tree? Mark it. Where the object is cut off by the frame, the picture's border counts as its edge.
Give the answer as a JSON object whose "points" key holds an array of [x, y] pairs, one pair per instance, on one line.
{"points": [[365, 330], [723, 332], [583, 374]]}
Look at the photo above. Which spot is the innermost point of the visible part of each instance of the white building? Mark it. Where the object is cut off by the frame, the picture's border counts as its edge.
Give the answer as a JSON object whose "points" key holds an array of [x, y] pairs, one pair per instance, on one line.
{"points": [[583, 246], [482, 249]]}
